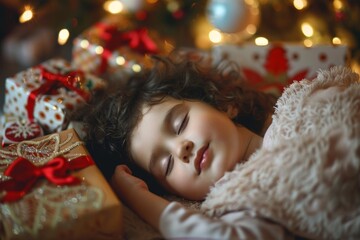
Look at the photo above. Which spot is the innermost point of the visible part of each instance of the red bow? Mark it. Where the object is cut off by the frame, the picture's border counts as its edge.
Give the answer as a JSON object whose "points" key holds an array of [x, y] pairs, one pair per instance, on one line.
{"points": [[24, 174], [137, 39], [69, 80]]}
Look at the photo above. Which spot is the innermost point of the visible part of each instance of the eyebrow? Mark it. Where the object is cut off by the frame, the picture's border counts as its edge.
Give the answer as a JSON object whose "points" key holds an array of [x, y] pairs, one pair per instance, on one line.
{"points": [[167, 119]]}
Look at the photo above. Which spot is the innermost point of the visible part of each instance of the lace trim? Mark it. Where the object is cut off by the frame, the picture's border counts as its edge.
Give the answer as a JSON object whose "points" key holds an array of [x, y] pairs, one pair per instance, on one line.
{"points": [[46, 205]]}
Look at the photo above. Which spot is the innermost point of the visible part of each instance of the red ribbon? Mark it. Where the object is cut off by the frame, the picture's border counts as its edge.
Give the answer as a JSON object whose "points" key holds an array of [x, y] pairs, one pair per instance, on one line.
{"points": [[24, 175], [53, 81], [137, 39]]}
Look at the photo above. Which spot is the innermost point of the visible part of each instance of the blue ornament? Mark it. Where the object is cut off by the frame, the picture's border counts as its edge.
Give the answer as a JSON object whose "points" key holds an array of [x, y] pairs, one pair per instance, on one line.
{"points": [[232, 16]]}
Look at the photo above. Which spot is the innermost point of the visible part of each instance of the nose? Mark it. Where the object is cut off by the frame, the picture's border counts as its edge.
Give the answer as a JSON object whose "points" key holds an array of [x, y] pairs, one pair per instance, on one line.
{"points": [[184, 150]]}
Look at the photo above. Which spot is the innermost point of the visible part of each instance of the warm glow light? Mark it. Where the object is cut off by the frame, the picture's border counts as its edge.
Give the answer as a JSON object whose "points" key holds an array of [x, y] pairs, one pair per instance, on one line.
{"points": [[336, 41], [84, 43], [27, 15], [308, 43], [63, 36], [172, 6], [120, 60], [307, 29], [251, 2], [251, 29], [152, 1], [338, 5], [113, 6], [300, 4], [215, 36], [261, 41], [99, 50], [136, 68]]}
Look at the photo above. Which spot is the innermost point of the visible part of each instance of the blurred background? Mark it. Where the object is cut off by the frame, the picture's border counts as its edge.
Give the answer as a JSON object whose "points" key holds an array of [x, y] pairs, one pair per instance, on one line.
{"points": [[35, 30]]}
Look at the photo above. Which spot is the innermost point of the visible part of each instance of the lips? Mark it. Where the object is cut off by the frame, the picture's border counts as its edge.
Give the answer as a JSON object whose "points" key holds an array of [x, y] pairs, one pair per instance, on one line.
{"points": [[200, 158]]}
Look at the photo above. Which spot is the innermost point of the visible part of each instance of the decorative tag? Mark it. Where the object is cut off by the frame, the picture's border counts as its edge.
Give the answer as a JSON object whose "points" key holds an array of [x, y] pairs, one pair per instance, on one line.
{"points": [[20, 130]]}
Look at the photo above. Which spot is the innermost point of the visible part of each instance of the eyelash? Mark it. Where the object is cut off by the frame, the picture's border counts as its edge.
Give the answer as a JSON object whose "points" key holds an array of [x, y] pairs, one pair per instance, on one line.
{"points": [[169, 165], [170, 160], [183, 124]]}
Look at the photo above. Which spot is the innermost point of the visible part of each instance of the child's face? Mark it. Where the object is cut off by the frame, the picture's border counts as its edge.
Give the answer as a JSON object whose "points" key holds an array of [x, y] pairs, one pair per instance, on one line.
{"points": [[187, 145]]}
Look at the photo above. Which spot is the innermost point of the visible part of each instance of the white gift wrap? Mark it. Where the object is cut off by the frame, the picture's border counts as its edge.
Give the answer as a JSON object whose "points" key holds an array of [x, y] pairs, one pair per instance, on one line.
{"points": [[51, 109], [278, 64]]}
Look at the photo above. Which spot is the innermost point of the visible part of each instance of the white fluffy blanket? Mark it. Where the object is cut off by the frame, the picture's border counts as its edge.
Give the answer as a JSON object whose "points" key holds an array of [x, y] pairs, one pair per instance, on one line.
{"points": [[307, 175]]}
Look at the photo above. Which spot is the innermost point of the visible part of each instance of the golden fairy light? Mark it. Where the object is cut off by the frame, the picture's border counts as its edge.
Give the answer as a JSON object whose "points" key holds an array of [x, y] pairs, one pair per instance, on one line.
{"points": [[215, 36], [120, 60], [251, 29], [336, 41], [261, 41], [27, 15], [99, 49], [308, 43], [84, 43], [136, 68], [173, 6], [300, 4], [307, 29], [63, 36], [113, 6], [338, 5]]}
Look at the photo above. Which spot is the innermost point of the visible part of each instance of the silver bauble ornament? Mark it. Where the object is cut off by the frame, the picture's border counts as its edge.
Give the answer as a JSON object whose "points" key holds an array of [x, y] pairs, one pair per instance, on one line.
{"points": [[232, 16]]}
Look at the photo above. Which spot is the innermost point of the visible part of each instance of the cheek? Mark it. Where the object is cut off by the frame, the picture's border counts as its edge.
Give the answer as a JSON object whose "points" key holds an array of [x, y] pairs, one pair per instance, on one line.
{"points": [[180, 177], [185, 183]]}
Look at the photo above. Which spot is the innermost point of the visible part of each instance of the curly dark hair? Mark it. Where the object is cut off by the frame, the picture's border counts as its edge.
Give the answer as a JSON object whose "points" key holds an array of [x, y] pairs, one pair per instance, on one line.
{"points": [[110, 120]]}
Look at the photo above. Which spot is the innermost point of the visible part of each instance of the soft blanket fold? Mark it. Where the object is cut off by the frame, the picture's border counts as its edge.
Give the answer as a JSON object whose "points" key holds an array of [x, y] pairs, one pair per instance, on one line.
{"points": [[307, 174]]}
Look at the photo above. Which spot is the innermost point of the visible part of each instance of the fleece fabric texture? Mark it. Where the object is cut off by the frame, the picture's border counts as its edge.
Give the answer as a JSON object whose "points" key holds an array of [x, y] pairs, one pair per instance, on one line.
{"points": [[306, 176]]}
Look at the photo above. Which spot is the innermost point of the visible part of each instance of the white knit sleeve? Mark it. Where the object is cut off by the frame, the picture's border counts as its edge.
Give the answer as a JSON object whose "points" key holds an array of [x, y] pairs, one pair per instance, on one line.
{"points": [[178, 221]]}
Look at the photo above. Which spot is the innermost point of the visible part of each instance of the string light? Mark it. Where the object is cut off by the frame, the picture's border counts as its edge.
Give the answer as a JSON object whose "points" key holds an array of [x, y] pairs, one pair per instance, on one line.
{"points": [[300, 4], [338, 5], [307, 29], [251, 29], [308, 43], [99, 49], [336, 41], [63, 36], [84, 44], [261, 41], [113, 6], [215, 36], [27, 15], [120, 60], [136, 68]]}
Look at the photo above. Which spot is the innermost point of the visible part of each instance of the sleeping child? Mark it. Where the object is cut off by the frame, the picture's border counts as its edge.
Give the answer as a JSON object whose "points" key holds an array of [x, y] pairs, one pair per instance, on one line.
{"points": [[262, 170]]}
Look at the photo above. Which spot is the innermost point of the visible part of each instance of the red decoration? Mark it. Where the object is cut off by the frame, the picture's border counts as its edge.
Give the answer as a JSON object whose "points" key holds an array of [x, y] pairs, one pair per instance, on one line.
{"points": [[277, 67], [137, 39], [24, 175], [276, 61], [71, 80], [20, 131]]}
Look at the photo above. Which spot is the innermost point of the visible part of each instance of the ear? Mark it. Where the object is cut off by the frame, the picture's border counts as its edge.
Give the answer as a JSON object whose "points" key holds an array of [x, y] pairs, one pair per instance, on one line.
{"points": [[232, 111]]}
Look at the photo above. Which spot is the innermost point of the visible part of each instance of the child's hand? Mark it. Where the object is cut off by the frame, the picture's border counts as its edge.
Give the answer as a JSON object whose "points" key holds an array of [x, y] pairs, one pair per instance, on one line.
{"points": [[126, 185], [135, 194]]}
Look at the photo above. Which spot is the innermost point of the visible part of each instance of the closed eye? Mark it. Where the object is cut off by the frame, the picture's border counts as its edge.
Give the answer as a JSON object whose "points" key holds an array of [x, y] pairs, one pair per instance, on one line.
{"points": [[169, 165], [183, 124]]}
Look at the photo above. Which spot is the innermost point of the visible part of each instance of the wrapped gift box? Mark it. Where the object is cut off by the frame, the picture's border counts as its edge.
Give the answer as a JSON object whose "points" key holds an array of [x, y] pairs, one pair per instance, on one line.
{"points": [[115, 49], [49, 93], [272, 67], [51, 189]]}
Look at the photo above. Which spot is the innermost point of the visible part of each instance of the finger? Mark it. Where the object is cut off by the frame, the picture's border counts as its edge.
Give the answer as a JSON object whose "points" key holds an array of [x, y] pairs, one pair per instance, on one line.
{"points": [[123, 168]]}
